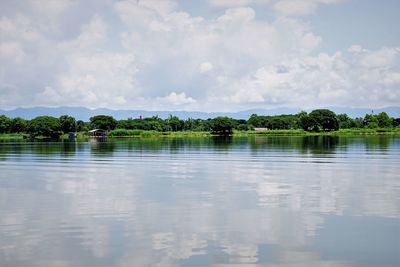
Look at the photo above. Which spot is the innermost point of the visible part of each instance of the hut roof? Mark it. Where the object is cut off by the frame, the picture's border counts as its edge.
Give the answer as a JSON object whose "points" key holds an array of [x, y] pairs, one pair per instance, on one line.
{"points": [[96, 130]]}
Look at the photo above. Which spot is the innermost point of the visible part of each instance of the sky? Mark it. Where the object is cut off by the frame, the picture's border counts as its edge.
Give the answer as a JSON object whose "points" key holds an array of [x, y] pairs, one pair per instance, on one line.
{"points": [[199, 55]]}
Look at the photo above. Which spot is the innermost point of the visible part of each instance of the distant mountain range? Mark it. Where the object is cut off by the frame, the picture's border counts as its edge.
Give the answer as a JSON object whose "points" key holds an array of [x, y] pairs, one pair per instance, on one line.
{"points": [[81, 113]]}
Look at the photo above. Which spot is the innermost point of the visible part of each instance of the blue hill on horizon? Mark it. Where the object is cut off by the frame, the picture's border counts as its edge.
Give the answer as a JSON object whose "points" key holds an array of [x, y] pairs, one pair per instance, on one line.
{"points": [[82, 113]]}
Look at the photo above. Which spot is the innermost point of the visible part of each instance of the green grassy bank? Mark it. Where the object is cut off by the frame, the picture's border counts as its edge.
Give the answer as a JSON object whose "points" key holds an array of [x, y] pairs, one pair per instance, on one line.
{"points": [[13, 136], [341, 132], [123, 133]]}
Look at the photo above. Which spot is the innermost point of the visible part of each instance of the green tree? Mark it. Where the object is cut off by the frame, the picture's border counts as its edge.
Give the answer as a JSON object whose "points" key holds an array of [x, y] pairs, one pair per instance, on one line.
{"points": [[306, 122], [254, 120], [174, 123], [4, 124], [18, 125], [325, 119], [68, 123], [370, 121], [81, 126], [358, 123], [44, 126], [396, 122], [319, 120], [345, 122], [222, 126], [103, 122], [384, 120]]}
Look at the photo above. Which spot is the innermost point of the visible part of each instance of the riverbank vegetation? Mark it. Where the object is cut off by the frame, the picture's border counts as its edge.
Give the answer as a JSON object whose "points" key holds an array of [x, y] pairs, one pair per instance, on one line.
{"points": [[317, 122]]}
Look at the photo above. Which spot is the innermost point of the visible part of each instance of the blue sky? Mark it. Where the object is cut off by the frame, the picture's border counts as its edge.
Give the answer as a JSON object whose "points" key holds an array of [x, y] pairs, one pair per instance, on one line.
{"points": [[210, 55]]}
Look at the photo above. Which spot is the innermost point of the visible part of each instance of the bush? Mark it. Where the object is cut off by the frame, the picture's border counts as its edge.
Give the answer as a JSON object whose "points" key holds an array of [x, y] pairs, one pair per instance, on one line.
{"points": [[125, 132], [44, 126], [222, 126]]}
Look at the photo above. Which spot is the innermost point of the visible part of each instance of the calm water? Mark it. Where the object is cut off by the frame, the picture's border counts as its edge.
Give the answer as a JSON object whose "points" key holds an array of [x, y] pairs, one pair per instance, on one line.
{"points": [[259, 201]]}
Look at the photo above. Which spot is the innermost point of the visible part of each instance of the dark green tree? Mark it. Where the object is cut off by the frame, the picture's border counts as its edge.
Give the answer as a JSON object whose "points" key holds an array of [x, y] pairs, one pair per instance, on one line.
{"points": [[384, 120], [44, 126], [4, 124], [254, 120], [320, 120], [68, 123], [370, 121], [305, 122], [81, 126], [222, 126], [174, 123], [103, 122], [345, 122], [18, 125], [396, 122], [358, 123]]}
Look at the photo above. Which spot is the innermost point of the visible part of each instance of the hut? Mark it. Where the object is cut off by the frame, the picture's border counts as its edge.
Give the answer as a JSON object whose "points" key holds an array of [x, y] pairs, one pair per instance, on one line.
{"points": [[97, 133]]}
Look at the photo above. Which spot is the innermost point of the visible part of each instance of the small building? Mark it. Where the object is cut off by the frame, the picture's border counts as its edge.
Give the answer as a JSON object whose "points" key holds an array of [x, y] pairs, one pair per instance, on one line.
{"points": [[261, 129], [98, 133]]}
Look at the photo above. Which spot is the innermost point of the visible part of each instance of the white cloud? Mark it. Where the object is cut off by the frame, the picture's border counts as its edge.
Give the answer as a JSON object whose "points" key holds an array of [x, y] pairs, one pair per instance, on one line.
{"points": [[380, 58], [300, 7], [205, 67], [324, 79], [176, 99], [235, 3], [356, 49], [11, 52], [131, 54]]}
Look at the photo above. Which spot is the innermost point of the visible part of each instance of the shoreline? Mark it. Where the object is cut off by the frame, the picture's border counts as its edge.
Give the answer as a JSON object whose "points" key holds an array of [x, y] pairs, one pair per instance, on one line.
{"points": [[155, 134]]}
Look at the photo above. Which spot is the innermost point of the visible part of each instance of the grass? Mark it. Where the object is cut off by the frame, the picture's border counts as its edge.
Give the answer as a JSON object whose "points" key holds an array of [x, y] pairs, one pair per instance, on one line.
{"points": [[298, 132], [270, 132], [143, 133], [341, 132], [13, 136], [367, 131]]}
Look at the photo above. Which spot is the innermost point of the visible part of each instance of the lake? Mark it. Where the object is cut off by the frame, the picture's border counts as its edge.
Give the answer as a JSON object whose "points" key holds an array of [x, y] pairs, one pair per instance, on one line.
{"points": [[251, 201]]}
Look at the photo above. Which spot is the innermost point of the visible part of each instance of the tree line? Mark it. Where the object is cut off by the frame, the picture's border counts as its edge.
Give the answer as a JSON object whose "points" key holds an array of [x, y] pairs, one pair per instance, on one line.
{"points": [[315, 121]]}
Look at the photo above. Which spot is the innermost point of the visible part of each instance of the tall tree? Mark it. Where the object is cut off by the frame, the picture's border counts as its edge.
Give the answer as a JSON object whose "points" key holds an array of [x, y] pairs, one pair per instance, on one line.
{"points": [[44, 126], [319, 120], [345, 121], [18, 125], [384, 120], [68, 123], [222, 126], [370, 121], [103, 122], [4, 124], [174, 123], [81, 126]]}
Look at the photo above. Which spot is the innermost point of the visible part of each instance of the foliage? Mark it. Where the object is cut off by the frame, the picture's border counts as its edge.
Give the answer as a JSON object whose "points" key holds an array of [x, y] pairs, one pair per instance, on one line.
{"points": [[222, 126], [18, 125], [175, 124], [68, 123], [81, 126], [384, 120], [44, 126], [4, 124], [278, 122], [319, 120], [103, 122], [370, 121], [345, 122], [316, 121]]}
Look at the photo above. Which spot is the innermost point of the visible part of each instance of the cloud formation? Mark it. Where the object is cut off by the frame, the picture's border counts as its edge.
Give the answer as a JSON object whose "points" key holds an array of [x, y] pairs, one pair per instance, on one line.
{"points": [[156, 55]]}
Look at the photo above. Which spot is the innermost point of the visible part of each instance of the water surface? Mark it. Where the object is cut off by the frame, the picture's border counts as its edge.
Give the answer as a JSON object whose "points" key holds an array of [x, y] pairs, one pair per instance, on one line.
{"points": [[258, 201]]}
